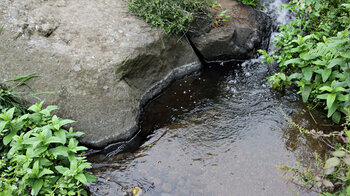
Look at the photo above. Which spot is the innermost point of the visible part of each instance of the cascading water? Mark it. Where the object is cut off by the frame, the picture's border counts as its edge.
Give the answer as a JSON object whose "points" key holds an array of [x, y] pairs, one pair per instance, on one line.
{"points": [[220, 132]]}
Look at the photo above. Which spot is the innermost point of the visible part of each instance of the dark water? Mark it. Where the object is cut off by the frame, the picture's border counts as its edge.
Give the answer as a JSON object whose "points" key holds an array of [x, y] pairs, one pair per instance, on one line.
{"points": [[220, 132]]}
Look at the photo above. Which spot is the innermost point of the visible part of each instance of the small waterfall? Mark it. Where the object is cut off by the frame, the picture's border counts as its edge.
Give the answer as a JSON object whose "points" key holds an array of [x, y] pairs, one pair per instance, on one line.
{"points": [[278, 16]]}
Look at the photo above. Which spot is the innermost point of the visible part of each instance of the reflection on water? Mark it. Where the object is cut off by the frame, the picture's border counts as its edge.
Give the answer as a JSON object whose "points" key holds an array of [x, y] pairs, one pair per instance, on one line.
{"points": [[217, 133]]}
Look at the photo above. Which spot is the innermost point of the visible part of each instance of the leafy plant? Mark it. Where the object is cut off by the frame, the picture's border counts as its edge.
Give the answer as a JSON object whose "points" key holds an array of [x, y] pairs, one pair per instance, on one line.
{"points": [[220, 19], [38, 156], [173, 16], [313, 52], [253, 3]]}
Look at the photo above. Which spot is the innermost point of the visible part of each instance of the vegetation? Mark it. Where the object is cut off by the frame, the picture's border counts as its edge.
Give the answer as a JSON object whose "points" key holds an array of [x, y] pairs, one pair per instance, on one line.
{"points": [[313, 52], [331, 177], [175, 16], [172, 16], [253, 3], [37, 155]]}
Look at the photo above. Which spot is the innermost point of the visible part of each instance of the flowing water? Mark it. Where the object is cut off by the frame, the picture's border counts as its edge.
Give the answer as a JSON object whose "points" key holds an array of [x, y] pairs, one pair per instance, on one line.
{"points": [[218, 132]]}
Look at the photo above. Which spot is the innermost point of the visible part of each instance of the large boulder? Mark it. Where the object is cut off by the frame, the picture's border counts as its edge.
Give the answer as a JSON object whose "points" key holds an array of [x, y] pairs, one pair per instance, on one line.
{"points": [[103, 62], [245, 31]]}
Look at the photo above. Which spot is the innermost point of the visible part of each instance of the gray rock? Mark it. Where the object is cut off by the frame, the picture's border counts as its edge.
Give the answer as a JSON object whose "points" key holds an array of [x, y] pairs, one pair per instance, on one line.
{"points": [[245, 31], [103, 62]]}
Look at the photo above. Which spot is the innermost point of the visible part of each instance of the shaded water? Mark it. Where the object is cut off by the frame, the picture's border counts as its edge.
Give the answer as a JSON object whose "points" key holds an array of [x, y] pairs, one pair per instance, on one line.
{"points": [[217, 133]]}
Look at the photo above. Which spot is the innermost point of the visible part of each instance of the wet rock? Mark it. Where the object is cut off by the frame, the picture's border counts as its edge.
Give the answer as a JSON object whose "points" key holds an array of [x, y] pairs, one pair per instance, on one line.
{"points": [[246, 31], [103, 62]]}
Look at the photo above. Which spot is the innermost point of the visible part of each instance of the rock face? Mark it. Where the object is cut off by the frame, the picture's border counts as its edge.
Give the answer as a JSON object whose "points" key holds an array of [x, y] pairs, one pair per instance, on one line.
{"points": [[104, 63], [245, 31]]}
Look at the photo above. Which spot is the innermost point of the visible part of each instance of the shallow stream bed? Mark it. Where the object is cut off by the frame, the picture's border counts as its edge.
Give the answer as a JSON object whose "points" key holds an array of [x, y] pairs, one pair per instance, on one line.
{"points": [[220, 132]]}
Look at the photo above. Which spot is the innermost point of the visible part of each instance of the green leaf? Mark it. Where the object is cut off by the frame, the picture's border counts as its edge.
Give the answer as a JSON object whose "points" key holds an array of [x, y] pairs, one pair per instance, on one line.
{"points": [[8, 138], [54, 139], [325, 74], [339, 153], [322, 96], [345, 54], [37, 186], [326, 88], [2, 125], [306, 56], [45, 172], [307, 72], [335, 62], [332, 162], [332, 110], [293, 61], [59, 150], [62, 135], [81, 178], [336, 117], [91, 178], [330, 99], [66, 121], [306, 93], [62, 170]]}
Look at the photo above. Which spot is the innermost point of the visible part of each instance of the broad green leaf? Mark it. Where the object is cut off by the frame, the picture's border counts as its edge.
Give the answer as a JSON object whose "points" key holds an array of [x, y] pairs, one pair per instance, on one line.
{"points": [[325, 74], [91, 178], [339, 153], [326, 88], [36, 167], [345, 54], [332, 162], [307, 72], [293, 61], [59, 150], [330, 99], [66, 121], [306, 93], [2, 125], [62, 170], [332, 110], [38, 151], [322, 96], [45, 171], [54, 139], [8, 138], [45, 162], [335, 62], [306, 56], [319, 62], [47, 111], [81, 148], [62, 135], [336, 117], [81, 178], [37, 186]]}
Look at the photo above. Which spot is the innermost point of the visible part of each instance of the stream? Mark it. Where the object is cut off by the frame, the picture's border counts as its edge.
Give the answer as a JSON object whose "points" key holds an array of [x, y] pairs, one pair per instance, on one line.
{"points": [[217, 132]]}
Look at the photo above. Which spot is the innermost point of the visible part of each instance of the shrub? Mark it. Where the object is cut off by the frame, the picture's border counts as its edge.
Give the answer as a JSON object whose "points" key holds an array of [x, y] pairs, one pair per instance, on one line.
{"points": [[173, 16], [38, 156], [313, 52]]}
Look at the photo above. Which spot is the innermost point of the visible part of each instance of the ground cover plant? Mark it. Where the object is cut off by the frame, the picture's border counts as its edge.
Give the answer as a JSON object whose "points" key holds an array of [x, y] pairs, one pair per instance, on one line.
{"points": [[37, 155], [172, 16], [313, 54]]}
